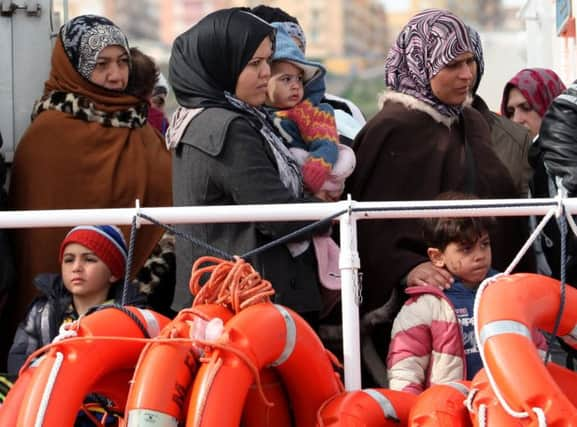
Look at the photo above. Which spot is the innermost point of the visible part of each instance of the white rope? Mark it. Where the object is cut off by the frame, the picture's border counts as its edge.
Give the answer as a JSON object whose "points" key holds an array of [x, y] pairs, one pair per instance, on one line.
{"points": [[482, 287], [137, 213], [68, 330], [540, 417], [468, 402], [48, 390], [530, 241], [562, 195], [482, 415], [64, 332]]}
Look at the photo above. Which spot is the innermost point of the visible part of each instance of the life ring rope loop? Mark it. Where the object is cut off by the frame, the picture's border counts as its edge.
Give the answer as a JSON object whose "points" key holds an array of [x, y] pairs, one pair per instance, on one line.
{"points": [[233, 284], [469, 399], [224, 346], [59, 358]]}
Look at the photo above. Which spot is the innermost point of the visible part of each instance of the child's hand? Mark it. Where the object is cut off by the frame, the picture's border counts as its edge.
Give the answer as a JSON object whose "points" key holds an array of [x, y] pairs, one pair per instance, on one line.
{"points": [[428, 274]]}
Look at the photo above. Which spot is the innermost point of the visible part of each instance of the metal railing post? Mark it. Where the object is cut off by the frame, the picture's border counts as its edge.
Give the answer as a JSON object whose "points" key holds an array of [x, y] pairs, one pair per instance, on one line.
{"points": [[349, 265]]}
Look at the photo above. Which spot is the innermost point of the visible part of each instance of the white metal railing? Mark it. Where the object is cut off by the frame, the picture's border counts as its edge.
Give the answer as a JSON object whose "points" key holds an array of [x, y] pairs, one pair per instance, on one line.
{"points": [[351, 212]]}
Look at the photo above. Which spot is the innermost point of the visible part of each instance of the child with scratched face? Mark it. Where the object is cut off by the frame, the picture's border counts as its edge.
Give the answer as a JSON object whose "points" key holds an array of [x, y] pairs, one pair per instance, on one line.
{"points": [[433, 337]]}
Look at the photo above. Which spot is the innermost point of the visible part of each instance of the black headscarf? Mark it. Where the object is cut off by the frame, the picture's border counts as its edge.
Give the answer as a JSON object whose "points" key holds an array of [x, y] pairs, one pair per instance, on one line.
{"points": [[206, 60]]}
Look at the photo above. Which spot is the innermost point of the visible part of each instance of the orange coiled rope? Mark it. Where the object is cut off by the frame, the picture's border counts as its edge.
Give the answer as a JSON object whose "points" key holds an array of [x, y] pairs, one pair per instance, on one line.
{"points": [[233, 284]]}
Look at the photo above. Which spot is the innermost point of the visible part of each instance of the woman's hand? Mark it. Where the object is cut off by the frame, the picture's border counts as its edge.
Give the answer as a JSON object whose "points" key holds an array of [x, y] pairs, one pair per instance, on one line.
{"points": [[428, 274]]}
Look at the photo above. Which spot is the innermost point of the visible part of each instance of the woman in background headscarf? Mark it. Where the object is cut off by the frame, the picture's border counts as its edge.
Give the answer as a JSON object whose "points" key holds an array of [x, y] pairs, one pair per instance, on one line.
{"points": [[424, 142], [527, 96], [226, 152], [88, 146]]}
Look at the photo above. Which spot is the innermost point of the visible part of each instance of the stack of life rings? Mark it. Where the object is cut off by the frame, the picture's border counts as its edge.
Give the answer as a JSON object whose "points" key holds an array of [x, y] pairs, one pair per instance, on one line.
{"points": [[234, 358]]}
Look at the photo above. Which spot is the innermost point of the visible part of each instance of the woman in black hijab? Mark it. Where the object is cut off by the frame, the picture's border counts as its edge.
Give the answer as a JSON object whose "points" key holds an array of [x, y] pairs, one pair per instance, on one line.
{"points": [[226, 152]]}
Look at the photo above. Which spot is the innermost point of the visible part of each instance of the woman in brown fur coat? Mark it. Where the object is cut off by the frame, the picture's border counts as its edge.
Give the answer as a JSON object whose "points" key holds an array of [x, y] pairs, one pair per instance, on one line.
{"points": [[422, 143]]}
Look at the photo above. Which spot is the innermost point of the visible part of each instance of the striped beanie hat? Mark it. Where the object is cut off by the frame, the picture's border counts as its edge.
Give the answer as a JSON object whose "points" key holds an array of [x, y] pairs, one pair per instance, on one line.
{"points": [[106, 241]]}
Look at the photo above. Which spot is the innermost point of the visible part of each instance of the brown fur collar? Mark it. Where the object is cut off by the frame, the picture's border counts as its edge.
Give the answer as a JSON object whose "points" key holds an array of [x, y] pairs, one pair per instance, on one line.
{"points": [[413, 103]]}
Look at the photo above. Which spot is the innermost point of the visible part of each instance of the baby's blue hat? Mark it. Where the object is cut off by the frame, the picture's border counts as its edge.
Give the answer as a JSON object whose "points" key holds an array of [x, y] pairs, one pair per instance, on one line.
{"points": [[287, 50]]}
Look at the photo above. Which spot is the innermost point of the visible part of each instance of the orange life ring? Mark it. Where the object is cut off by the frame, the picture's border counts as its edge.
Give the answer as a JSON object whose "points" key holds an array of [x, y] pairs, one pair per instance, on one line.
{"points": [[168, 364], [566, 379], [442, 405], [72, 368], [484, 408], [483, 400], [509, 310], [369, 408], [259, 336], [256, 413], [11, 405]]}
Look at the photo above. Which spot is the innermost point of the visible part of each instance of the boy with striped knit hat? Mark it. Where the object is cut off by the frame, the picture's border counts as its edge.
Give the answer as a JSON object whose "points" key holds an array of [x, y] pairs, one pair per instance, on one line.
{"points": [[92, 260]]}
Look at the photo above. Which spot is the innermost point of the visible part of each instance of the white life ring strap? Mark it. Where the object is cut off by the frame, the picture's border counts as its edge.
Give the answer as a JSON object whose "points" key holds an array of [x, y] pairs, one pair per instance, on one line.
{"points": [[152, 326], [384, 403], [291, 336], [500, 327], [149, 417]]}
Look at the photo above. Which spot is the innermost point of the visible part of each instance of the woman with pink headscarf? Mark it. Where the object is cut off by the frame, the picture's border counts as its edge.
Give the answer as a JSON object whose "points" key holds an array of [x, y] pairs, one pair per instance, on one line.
{"points": [[528, 94]]}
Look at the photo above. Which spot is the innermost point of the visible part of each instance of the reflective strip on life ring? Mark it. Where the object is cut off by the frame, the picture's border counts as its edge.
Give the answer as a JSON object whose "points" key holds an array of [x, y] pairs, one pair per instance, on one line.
{"points": [[151, 323], [500, 327], [459, 387], [384, 403], [290, 338], [147, 417]]}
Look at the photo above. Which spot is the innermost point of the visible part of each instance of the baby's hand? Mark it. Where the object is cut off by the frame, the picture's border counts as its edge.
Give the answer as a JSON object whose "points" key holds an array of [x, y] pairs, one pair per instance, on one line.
{"points": [[327, 196]]}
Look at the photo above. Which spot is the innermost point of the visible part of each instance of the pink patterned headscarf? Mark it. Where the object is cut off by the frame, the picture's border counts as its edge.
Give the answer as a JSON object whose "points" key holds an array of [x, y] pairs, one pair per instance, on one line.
{"points": [[539, 86], [430, 41]]}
